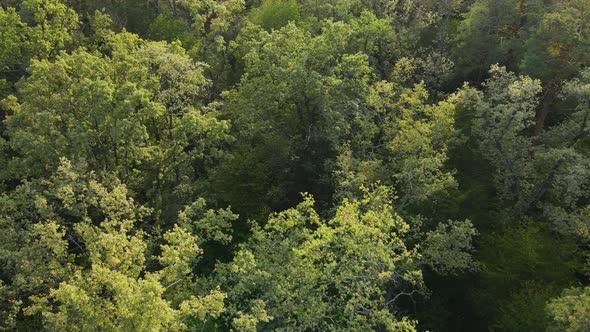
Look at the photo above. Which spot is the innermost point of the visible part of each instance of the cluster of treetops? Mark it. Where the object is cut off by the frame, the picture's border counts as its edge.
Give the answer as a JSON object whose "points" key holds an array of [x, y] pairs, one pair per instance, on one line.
{"points": [[309, 165]]}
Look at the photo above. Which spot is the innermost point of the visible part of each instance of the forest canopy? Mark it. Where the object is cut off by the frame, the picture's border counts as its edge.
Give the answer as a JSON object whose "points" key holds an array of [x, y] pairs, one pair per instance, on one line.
{"points": [[295, 165]]}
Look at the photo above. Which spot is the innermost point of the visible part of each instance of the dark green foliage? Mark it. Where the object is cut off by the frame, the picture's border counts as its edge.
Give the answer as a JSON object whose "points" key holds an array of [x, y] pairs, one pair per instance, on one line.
{"points": [[275, 14], [523, 267], [167, 27]]}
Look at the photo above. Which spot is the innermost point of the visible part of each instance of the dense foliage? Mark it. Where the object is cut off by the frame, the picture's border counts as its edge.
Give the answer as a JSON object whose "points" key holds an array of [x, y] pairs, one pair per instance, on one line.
{"points": [[295, 165]]}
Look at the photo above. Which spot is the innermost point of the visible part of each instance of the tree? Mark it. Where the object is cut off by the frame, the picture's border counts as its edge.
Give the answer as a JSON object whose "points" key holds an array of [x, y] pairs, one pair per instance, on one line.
{"points": [[32, 29], [284, 114], [75, 257], [570, 310], [214, 24], [12, 28], [321, 275], [136, 113], [545, 175], [523, 267], [401, 141], [557, 50], [50, 24], [275, 14], [495, 32]]}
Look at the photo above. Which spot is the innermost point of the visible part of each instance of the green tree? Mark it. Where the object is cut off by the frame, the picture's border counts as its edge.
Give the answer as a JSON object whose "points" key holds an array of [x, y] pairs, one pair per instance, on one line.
{"points": [[495, 32], [287, 142], [542, 176], [75, 256], [557, 50], [570, 310], [402, 141], [522, 268], [275, 14], [137, 113], [32, 29], [347, 273]]}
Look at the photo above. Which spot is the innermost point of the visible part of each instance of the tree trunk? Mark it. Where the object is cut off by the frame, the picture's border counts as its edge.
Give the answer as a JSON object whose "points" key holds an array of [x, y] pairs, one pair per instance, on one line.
{"points": [[548, 99]]}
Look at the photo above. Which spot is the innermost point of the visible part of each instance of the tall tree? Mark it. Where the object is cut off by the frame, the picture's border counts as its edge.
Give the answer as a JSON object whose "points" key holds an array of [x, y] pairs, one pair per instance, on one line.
{"points": [[546, 175], [557, 50], [313, 274], [136, 113], [76, 256]]}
